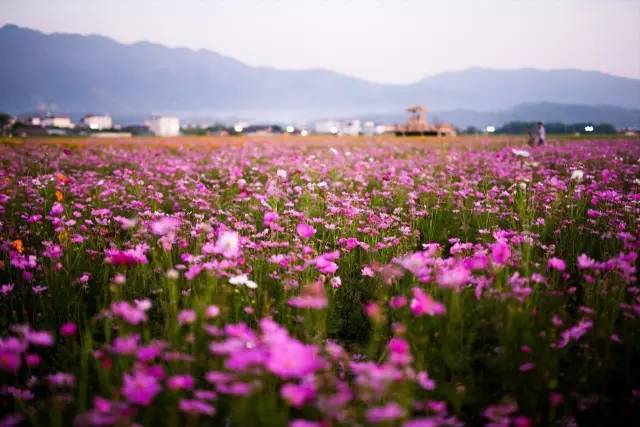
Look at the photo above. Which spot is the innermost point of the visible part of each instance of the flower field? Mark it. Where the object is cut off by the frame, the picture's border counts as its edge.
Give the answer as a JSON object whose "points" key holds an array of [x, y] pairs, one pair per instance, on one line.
{"points": [[324, 283]]}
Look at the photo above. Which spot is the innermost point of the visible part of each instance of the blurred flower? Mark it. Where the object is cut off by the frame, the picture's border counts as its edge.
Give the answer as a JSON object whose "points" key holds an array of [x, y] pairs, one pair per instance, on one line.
{"points": [[305, 231], [422, 304], [140, 388]]}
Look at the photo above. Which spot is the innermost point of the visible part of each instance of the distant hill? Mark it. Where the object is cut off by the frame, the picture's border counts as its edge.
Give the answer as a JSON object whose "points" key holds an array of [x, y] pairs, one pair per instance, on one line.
{"points": [[75, 73]]}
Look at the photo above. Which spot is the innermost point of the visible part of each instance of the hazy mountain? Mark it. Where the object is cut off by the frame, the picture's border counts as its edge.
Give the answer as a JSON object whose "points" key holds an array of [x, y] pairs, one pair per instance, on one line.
{"points": [[75, 73]]}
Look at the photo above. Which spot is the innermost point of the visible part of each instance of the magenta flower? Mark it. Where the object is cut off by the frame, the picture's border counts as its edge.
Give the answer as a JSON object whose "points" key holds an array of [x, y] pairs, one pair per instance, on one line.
{"points": [[500, 253], [297, 395], [132, 314], [270, 217], [57, 209], [127, 344], [557, 264], [41, 338], [304, 423], [422, 304], [305, 231], [399, 351], [140, 388], [389, 412], [165, 225], [180, 382], [10, 361], [454, 277], [186, 317], [196, 407], [68, 329], [129, 257]]}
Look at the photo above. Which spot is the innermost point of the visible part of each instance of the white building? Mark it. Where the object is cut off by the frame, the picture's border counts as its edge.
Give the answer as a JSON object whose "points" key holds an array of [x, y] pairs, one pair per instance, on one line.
{"points": [[97, 122], [327, 126], [63, 122], [164, 126], [351, 128]]}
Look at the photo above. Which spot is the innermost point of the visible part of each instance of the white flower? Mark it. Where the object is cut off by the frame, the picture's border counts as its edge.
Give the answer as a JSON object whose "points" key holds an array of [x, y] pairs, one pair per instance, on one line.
{"points": [[577, 175], [520, 153], [334, 151], [242, 279], [282, 173], [172, 274]]}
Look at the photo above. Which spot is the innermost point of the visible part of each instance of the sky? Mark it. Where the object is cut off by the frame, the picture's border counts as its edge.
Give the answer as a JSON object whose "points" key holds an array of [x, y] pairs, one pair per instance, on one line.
{"points": [[387, 41]]}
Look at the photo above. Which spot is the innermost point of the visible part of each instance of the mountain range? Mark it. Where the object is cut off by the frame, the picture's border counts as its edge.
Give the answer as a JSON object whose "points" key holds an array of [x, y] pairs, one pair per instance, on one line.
{"points": [[76, 73]]}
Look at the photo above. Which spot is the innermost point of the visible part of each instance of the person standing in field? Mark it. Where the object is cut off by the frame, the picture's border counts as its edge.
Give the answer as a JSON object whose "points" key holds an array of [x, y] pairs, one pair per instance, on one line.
{"points": [[541, 133]]}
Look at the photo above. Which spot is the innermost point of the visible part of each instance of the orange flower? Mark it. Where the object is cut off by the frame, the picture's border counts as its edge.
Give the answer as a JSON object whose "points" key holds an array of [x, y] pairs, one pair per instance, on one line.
{"points": [[59, 195], [17, 245], [62, 179]]}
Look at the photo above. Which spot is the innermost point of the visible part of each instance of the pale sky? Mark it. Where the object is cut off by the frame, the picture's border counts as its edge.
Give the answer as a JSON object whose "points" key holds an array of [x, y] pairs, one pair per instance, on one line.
{"points": [[391, 41]]}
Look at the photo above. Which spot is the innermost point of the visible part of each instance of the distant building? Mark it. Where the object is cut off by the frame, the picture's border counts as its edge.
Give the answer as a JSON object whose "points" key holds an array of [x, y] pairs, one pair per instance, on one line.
{"points": [[369, 128], [31, 120], [417, 125], [97, 122], [164, 126], [60, 122], [327, 126], [351, 128]]}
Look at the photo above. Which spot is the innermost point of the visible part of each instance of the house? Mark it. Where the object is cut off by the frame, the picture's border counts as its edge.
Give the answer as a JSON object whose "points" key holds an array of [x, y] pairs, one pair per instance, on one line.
{"points": [[97, 122], [327, 126], [61, 122], [164, 125]]}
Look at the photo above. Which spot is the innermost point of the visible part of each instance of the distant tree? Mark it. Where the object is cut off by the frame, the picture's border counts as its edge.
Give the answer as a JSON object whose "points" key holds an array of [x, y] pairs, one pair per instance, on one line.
{"points": [[6, 123], [556, 128], [470, 130]]}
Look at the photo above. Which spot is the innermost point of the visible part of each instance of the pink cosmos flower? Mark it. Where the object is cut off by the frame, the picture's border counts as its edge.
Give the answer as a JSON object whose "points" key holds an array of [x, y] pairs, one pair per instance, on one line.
{"points": [[165, 225], [454, 277], [297, 395], [399, 351], [424, 381], [305, 231], [270, 217], [312, 296], [57, 209], [228, 244], [127, 257], [41, 338], [68, 329], [367, 271], [304, 423], [180, 382], [398, 301], [584, 262], [196, 407], [127, 344], [324, 263], [10, 361], [389, 412], [212, 311], [140, 388], [132, 314], [422, 304], [186, 317], [500, 253], [557, 264]]}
